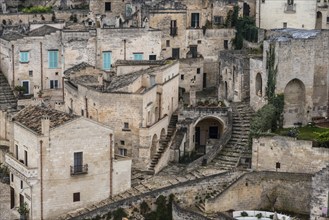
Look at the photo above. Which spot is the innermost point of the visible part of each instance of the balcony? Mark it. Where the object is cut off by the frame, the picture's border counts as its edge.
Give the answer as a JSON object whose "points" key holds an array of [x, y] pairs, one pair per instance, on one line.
{"points": [[79, 169], [19, 168], [290, 8], [173, 31]]}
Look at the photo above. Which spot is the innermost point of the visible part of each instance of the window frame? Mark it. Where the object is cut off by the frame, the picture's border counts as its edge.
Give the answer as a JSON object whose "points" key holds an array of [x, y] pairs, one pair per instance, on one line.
{"points": [[53, 59], [24, 56], [138, 56], [53, 84], [107, 60], [76, 197], [106, 4]]}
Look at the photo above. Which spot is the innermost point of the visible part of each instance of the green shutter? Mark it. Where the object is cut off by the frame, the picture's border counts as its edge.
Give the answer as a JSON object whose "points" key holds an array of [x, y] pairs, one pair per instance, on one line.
{"points": [[53, 59], [107, 60], [138, 56], [24, 56]]}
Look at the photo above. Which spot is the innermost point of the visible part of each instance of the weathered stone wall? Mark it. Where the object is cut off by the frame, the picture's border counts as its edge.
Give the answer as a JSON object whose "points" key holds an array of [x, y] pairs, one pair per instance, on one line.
{"points": [[273, 13], [265, 190], [179, 213], [257, 72], [296, 156], [319, 200], [191, 73], [113, 40], [235, 75]]}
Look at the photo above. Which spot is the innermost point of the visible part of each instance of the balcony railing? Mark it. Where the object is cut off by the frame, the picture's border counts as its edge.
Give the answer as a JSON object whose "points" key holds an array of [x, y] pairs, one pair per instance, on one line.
{"points": [[79, 169], [173, 31], [19, 168], [290, 8]]}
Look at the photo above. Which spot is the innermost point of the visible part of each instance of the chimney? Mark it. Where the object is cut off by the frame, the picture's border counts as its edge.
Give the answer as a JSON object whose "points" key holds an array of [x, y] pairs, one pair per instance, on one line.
{"points": [[45, 125]]}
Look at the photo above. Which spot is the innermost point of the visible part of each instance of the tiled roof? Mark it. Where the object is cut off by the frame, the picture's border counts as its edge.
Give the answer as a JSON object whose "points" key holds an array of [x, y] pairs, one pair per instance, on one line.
{"points": [[42, 31], [9, 36], [31, 117], [118, 82], [76, 68]]}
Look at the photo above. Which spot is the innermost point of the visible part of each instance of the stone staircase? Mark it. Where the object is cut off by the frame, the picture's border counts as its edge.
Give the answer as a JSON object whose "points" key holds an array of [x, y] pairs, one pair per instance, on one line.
{"points": [[7, 97], [164, 142], [237, 147]]}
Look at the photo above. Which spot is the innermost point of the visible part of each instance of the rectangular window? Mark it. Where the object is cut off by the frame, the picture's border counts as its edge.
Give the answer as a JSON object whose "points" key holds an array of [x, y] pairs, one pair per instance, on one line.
{"points": [[198, 70], [194, 51], [24, 56], [126, 125], [175, 53], [12, 197], [123, 152], [78, 162], [327, 19], [152, 57], [182, 77], [106, 60], [53, 84], [285, 24], [167, 43], [25, 158], [225, 44], [22, 184], [53, 59], [138, 56], [218, 19], [16, 146], [107, 6], [76, 197], [122, 142], [12, 177], [30, 72], [195, 20], [173, 28]]}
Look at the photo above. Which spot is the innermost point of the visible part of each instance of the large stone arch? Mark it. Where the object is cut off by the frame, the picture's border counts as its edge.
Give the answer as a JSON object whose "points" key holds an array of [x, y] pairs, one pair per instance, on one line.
{"points": [[154, 145], [206, 129], [259, 85], [294, 102]]}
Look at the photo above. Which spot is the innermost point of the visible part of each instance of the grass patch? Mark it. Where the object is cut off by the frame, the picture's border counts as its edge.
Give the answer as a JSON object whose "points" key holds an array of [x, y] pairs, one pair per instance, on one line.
{"points": [[305, 133]]}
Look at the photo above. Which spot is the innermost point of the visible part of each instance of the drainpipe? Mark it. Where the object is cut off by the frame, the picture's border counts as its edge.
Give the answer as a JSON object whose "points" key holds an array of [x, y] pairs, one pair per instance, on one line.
{"points": [[41, 180], [124, 49], [41, 66], [86, 101], [13, 64], [259, 7], [111, 164], [63, 87]]}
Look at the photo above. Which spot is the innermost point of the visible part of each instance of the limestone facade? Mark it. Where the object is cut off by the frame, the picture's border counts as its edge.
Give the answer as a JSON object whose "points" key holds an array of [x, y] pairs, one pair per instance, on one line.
{"points": [[25, 60], [319, 200], [285, 154], [138, 107], [56, 158]]}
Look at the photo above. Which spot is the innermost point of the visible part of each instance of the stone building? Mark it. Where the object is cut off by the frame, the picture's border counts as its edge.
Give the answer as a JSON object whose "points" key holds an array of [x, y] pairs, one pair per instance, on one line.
{"points": [[33, 61], [301, 60], [60, 162], [320, 195], [138, 106], [292, 14]]}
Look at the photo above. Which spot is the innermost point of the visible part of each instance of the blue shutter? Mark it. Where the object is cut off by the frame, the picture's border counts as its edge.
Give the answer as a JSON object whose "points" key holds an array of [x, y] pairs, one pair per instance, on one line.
{"points": [[53, 59], [138, 56], [24, 56], [107, 60]]}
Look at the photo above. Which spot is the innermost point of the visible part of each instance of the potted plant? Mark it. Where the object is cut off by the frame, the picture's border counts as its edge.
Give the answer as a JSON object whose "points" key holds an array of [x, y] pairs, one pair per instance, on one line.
{"points": [[19, 90], [23, 210]]}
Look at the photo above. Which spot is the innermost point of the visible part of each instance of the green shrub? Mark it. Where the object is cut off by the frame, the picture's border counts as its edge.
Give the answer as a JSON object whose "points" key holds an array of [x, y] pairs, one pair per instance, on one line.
{"points": [[37, 9], [244, 214], [259, 215]]}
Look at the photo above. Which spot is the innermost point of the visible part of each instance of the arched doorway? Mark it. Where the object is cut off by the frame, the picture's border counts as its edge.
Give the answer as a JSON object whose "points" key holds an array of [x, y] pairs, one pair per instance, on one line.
{"points": [[294, 102], [154, 145], [246, 10], [259, 85], [318, 24], [208, 129], [163, 134]]}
